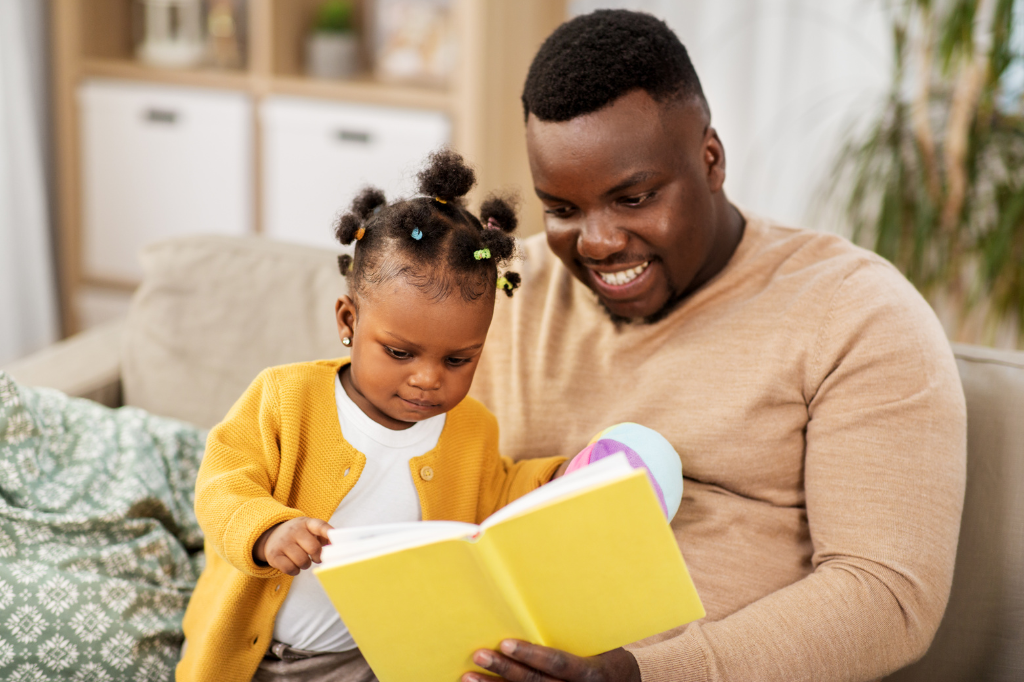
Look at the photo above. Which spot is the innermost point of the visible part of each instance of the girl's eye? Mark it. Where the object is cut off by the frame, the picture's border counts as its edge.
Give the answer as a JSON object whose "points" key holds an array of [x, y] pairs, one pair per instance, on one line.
{"points": [[457, 362], [397, 354]]}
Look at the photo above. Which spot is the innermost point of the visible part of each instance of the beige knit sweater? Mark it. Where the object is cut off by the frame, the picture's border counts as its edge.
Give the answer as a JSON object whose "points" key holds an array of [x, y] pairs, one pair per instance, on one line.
{"points": [[816, 406]]}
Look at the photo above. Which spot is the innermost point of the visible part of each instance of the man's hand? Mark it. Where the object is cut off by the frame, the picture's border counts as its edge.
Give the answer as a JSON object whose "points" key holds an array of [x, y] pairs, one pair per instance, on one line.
{"points": [[523, 662], [292, 546]]}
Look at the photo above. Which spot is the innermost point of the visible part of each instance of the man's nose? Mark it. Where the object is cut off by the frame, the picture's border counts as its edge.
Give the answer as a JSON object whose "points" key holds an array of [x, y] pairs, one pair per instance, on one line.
{"points": [[600, 237]]}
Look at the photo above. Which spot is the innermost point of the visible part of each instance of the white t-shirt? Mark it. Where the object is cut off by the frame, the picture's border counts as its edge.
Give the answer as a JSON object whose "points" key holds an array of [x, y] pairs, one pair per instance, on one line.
{"points": [[384, 493]]}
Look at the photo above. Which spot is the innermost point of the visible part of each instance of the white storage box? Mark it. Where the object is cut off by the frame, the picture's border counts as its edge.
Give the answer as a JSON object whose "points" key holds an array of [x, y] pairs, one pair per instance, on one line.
{"points": [[159, 162], [317, 155]]}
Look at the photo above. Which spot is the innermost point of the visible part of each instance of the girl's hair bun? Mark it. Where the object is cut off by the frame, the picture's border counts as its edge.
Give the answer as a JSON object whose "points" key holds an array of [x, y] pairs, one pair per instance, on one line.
{"points": [[363, 206], [367, 200], [503, 211], [446, 176], [345, 263], [346, 227]]}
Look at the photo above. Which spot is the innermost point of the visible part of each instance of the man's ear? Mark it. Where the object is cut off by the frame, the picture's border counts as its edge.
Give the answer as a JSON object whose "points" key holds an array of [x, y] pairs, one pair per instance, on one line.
{"points": [[345, 316], [714, 160]]}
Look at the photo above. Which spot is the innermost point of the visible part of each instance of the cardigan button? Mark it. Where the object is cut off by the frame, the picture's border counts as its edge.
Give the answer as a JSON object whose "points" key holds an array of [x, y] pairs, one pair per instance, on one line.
{"points": [[427, 473], [255, 639], [278, 587]]}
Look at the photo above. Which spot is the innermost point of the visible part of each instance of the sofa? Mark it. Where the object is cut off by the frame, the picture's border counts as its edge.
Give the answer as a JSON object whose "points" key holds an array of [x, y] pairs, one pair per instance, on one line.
{"points": [[213, 311]]}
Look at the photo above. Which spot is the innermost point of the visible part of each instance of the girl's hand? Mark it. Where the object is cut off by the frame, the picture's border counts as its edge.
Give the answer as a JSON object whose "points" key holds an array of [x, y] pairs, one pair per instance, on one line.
{"points": [[292, 546]]}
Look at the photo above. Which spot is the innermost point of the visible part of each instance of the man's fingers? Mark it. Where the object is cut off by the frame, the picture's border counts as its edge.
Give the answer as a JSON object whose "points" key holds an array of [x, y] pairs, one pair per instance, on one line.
{"points": [[509, 670], [559, 664], [480, 677]]}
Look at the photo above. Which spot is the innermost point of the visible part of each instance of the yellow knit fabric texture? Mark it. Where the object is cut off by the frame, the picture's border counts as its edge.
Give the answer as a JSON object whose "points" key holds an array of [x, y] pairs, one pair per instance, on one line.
{"points": [[280, 454]]}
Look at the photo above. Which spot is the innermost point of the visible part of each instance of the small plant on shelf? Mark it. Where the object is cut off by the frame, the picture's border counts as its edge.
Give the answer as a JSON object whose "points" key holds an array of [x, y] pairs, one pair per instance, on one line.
{"points": [[332, 47]]}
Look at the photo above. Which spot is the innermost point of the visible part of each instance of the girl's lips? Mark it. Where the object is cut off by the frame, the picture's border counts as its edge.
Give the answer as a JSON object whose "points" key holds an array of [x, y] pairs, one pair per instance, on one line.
{"points": [[419, 404], [622, 292]]}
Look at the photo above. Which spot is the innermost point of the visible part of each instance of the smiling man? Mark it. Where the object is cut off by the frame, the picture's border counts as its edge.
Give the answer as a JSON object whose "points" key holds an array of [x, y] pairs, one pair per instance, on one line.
{"points": [[808, 388]]}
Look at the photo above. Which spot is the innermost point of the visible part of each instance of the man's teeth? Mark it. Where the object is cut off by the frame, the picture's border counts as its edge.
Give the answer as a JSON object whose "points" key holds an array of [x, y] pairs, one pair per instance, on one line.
{"points": [[623, 276]]}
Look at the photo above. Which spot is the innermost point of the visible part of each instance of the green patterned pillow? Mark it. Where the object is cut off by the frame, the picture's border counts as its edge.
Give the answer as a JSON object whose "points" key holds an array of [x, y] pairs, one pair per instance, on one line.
{"points": [[99, 545]]}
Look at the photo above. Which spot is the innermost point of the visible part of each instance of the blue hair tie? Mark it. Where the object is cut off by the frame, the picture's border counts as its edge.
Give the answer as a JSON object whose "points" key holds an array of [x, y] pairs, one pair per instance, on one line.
{"points": [[417, 234]]}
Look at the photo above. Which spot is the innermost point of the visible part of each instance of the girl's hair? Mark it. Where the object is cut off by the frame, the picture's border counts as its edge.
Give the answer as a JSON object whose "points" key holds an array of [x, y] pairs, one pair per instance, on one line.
{"points": [[432, 241]]}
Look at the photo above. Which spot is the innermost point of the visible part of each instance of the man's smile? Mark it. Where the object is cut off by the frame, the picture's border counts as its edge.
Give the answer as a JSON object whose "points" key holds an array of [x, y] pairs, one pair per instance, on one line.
{"points": [[622, 284], [621, 276]]}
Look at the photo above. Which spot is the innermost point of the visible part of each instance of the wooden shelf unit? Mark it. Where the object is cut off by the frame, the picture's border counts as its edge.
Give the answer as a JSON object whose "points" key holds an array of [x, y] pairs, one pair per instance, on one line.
{"points": [[496, 41]]}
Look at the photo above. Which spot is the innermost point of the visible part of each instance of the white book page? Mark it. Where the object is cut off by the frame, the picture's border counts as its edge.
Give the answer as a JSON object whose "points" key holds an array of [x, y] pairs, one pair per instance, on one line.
{"points": [[349, 545], [593, 475]]}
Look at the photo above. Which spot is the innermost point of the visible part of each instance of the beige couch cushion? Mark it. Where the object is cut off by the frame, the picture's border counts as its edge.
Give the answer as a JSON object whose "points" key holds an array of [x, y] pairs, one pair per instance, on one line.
{"points": [[213, 312], [982, 633]]}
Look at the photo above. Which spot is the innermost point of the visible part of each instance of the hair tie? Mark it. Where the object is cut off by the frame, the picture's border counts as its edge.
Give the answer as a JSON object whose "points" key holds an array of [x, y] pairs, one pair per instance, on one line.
{"points": [[492, 224], [360, 232], [507, 285], [482, 254], [417, 233], [440, 200]]}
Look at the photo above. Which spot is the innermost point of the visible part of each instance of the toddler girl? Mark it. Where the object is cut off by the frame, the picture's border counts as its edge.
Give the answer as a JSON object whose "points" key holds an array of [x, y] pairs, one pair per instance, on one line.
{"points": [[387, 435]]}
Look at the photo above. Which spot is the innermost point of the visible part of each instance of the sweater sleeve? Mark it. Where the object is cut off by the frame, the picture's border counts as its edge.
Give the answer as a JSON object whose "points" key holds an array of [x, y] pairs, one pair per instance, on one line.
{"points": [[884, 476], [503, 480], [234, 488]]}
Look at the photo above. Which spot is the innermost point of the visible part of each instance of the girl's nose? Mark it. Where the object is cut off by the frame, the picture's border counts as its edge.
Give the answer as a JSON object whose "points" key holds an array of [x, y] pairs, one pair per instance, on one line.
{"points": [[427, 377], [600, 237]]}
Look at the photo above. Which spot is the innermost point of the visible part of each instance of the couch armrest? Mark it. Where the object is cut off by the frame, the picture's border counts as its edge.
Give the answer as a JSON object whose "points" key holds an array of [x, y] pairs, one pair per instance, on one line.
{"points": [[86, 365]]}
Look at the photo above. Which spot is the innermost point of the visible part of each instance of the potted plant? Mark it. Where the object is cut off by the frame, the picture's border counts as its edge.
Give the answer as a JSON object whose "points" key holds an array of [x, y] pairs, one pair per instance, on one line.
{"points": [[332, 48], [936, 183]]}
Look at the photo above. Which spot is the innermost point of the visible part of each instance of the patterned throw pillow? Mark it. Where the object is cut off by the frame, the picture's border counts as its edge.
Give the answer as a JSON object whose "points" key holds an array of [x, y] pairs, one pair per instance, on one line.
{"points": [[99, 545]]}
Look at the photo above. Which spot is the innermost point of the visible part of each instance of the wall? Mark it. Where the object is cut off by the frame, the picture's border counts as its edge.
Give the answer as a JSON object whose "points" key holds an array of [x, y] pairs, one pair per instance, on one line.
{"points": [[785, 80]]}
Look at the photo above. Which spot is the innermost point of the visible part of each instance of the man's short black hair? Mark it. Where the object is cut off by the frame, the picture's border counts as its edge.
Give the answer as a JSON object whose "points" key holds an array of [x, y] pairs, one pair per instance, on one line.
{"points": [[592, 60]]}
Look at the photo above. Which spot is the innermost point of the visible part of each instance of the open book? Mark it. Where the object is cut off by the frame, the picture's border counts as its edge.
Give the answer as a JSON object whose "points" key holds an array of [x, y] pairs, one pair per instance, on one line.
{"points": [[585, 563]]}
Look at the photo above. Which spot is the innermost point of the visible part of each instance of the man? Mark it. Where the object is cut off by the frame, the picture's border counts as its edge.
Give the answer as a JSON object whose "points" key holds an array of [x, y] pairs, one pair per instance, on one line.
{"points": [[808, 388]]}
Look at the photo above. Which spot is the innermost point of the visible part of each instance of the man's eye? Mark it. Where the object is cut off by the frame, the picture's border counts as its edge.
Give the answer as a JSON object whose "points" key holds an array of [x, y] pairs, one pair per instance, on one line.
{"points": [[637, 200], [397, 354], [559, 211]]}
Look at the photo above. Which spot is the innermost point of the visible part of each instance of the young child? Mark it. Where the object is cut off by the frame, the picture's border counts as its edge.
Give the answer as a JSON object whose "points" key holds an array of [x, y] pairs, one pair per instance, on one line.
{"points": [[387, 435]]}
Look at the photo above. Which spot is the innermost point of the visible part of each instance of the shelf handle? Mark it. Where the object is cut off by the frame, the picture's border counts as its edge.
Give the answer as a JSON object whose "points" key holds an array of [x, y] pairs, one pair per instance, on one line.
{"points": [[163, 116], [360, 136]]}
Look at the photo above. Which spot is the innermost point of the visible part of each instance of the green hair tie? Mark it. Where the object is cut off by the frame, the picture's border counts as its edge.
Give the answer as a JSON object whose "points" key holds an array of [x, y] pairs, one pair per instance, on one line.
{"points": [[503, 283], [482, 254]]}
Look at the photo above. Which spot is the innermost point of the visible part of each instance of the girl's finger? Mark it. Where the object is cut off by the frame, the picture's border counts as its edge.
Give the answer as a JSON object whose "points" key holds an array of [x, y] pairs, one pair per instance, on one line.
{"points": [[284, 564], [319, 528], [297, 556], [310, 544]]}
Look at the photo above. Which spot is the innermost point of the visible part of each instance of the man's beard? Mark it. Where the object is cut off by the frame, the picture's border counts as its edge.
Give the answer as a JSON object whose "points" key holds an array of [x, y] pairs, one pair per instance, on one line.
{"points": [[671, 304]]}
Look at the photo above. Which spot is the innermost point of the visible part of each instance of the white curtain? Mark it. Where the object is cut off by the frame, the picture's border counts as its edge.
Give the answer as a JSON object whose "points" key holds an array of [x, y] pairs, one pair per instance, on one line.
{"points": [[28, 307], [786, 79]]}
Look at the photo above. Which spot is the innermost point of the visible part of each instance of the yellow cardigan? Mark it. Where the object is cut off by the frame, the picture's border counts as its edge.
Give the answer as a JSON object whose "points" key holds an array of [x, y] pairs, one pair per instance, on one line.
{"points": [[280, 454]]}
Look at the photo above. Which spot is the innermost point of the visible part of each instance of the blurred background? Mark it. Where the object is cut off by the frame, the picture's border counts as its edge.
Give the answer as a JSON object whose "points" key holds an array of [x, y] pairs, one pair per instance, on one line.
{"points": [[898, 123]]}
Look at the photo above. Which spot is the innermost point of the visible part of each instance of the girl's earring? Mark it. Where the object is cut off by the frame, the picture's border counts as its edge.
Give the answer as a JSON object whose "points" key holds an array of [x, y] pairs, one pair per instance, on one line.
{"points": [[346, 341]]}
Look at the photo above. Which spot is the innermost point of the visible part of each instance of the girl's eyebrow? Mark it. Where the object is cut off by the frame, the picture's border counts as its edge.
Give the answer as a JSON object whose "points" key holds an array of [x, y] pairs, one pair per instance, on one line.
{"points": [[416, 346]]}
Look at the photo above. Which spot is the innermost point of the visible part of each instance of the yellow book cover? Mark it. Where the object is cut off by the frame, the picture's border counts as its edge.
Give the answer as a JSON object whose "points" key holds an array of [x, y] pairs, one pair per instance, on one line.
{"points": [[585, 564]]}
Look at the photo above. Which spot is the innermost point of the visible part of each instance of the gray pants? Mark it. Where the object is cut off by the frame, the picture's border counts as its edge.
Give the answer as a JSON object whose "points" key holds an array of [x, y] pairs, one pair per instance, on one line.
{"points": [[282, 663]]}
